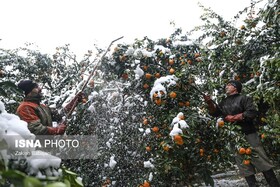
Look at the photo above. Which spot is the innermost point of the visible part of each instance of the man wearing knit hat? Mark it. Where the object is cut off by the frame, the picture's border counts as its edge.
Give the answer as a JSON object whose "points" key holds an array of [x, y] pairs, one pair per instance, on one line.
{"points": [[240, 110], [39, 116]]}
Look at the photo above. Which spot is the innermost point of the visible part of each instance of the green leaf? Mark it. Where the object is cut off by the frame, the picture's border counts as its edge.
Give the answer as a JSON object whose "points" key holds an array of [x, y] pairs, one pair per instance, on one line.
{"points": [[14, 176], [70, 172], [3, 93], [57, 184], [67, 183], [79, 183], [32, 182]]}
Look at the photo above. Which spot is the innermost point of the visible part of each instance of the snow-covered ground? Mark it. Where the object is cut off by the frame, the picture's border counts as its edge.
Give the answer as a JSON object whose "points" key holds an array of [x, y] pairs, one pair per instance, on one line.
{"points": [[232, 179]]}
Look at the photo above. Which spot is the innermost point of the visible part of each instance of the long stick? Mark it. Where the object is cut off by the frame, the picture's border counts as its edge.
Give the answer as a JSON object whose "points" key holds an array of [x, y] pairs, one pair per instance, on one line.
{"points": [[91, 74], [203, 94]]}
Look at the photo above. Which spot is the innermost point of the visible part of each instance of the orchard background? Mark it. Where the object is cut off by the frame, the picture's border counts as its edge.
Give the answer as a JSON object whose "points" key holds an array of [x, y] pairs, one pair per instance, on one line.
{"points": [[145, 92]]}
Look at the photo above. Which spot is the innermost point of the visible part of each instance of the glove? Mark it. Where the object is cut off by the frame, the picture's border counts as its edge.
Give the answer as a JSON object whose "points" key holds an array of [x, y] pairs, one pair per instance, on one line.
{"points": [[78, 98], [233, 118], [207, 98], [60, 129]]}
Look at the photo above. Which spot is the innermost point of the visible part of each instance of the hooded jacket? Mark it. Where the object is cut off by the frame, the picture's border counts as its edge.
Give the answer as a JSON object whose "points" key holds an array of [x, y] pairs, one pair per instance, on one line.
{"points": [[236, 104]]}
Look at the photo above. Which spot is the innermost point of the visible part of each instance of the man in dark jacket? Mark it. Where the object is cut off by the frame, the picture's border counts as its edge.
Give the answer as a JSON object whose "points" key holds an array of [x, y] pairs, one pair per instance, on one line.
{"points": [[240, 110], [40, 117]]}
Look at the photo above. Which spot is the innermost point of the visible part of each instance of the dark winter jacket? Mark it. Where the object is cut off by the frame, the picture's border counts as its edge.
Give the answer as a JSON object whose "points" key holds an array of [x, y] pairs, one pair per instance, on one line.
{"points": [[38, 116], [236, 104]]}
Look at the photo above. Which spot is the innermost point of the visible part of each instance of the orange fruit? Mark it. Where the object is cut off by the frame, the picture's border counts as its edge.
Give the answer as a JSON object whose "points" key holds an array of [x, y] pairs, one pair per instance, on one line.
{"points": [[242, 150], [221, 123], [172, 71], [246, 162], [201, 150], [166, 148], [196, 55], [155, 129], [171, 61], [148, 148], [177, 137], [148, 76], [145, 121], [145, 67], [187, 103], [262, 136], [146, 86], [157, 75], [146, 184], [248, 151], [189, 62], [158, 101], [84, 100], [173, 94], [181, 103]]}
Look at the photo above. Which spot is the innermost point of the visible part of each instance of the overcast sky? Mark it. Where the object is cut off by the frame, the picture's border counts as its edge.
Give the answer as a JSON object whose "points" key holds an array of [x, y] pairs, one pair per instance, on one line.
{"points": [[82, 23]]}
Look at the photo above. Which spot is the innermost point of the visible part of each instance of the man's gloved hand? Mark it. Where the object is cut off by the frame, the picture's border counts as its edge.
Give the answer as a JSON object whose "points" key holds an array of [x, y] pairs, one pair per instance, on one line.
{"points": [[207, 98], [79, 97], [233, 118], [74, 102], [60, 129]]}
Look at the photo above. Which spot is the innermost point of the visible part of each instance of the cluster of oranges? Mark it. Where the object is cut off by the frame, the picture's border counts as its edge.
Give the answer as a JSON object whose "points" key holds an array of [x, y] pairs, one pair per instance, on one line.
{"points": [[157, 97], [178, 139], [246, 152]]}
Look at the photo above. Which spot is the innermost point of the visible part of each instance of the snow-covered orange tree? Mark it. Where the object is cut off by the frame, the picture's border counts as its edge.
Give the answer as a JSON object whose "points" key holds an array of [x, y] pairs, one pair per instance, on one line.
{"points": [[146, 107]]}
